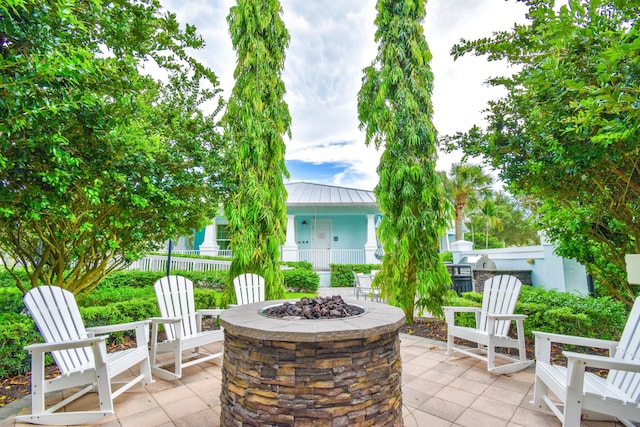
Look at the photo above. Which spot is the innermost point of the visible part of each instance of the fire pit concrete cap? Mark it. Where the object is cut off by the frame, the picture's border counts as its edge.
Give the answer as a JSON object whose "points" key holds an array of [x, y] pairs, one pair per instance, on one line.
{"points": [[245, 320]]}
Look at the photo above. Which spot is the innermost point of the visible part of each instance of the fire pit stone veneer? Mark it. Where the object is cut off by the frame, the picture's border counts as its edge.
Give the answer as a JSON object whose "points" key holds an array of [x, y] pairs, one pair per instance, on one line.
{"points": [[311, 372]]}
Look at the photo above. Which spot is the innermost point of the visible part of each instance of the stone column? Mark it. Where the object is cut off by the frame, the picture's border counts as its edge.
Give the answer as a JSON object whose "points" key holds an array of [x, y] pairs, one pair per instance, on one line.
{"points": [[290, 247], [210, 244]]}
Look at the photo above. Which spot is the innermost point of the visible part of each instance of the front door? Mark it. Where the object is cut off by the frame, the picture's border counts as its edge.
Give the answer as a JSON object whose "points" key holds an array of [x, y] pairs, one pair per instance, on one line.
{"points": [[321, 243]]}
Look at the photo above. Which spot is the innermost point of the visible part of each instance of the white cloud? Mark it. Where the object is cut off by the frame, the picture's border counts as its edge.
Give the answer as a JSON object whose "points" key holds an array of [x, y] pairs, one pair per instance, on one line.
{"points": [[331, 42]]}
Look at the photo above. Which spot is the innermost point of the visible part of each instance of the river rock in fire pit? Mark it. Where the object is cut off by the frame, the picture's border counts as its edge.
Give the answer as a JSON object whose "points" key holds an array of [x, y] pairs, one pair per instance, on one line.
{"points": [[315, 308]]}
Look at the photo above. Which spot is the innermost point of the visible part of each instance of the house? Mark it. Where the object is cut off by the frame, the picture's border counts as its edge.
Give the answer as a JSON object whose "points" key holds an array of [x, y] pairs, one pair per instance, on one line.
{"points": [[325, 225]]}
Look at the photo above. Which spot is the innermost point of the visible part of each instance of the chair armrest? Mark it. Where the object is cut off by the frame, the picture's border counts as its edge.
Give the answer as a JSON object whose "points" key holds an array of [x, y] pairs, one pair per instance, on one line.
{"points": [[543, 342], [157, 320], [603, 362], [581, 341], [117, 328], [450, 313], [48, 347], [211, 311], [141, 327], [461, 309]]}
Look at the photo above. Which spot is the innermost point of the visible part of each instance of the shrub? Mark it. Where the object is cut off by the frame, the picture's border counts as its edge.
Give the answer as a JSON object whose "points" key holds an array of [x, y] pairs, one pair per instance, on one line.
{"points": [[342, 274], [16, 331], [120, 312], [206, 298], [446, 256], [304, 265], [11, 300], [213, 279], [131, 278], [301, 280]]}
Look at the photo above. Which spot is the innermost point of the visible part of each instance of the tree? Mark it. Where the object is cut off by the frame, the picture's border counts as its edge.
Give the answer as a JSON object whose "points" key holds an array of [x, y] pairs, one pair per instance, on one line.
{"points": [[467, 183], [566, 134], [517, 228], [256, 119], [491, 217], [394, 108], [98, 162]]}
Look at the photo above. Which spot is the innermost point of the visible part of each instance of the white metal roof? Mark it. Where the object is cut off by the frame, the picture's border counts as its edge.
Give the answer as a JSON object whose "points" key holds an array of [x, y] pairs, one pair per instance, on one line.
{"points": [[310, 194]]}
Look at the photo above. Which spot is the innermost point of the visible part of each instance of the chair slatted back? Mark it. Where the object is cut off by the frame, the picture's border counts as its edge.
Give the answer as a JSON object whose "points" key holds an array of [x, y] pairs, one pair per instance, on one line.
{"points": [[249, 288], [56, 314], [628, 349], [364, 280], [175, 299], [500, 297]]}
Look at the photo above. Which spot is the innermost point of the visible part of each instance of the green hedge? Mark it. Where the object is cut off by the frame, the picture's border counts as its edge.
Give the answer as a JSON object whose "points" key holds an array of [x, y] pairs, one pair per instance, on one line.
{"points": [[342, 274], [301, 280], [16, 332]]}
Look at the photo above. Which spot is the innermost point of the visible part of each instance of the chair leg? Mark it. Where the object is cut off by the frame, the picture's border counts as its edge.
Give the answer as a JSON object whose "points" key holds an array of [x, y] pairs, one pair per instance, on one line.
{"points": [[540, 389], [449, 351], [491, 357], [104, 388]]}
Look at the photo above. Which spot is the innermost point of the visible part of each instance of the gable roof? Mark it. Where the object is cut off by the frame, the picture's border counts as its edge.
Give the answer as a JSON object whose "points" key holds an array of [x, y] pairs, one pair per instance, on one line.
{"points": [[309, 194]]}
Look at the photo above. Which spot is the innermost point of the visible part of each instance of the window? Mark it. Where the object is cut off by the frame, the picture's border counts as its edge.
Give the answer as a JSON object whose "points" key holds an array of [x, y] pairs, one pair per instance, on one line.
{"points": [[222, 234]]}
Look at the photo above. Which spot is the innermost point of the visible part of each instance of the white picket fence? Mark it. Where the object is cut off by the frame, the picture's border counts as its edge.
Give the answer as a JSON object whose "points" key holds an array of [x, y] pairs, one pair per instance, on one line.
{"points": [[159, 263]]}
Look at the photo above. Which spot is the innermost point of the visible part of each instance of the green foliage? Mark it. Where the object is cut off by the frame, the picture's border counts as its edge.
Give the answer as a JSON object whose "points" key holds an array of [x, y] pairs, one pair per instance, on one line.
{"points": [[446, 256], [131, 278], [255, 121], [16, 331], [122, 311], [10, 300], [304, 265], [212, 279], [206, 298], [480, 241], [99, 162], [395, 111], [342, 274], [565, 137], [301, 280]]}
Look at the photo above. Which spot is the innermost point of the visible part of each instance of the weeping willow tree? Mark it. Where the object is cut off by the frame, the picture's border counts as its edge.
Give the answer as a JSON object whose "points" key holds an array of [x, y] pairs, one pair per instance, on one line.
{"points": [[394, 109], [255, 121]]}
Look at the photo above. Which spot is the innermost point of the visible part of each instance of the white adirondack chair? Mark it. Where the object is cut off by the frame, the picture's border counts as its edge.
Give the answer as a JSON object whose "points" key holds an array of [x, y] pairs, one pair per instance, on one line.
{"points": [[81, 357], [249, 288], [578, 391], [493, 321], [183, 328]]}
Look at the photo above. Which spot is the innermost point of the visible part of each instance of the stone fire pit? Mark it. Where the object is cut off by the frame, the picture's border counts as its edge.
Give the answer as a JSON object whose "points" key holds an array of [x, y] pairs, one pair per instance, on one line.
{"points": [[321, 372]]}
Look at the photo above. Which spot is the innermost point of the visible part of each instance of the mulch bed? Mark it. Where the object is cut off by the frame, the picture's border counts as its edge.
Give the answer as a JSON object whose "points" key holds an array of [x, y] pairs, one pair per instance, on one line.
{"points": [[13, 388]]}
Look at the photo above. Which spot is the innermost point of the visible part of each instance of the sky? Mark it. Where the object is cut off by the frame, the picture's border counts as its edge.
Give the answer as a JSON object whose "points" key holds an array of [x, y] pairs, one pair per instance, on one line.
{"points": [[331, 42]]}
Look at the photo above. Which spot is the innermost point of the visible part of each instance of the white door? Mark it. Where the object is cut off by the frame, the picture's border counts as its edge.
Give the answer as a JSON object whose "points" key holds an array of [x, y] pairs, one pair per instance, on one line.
{"points": [[321, 243]]}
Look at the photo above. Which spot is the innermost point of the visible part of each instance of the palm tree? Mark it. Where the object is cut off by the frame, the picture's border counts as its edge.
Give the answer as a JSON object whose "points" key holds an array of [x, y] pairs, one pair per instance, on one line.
{"points": [[466, 183], [491, 215]]}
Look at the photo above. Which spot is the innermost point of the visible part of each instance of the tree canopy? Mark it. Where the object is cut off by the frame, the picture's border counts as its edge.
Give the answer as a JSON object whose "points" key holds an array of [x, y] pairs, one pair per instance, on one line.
{"points": [[255, 121], [395, 110], [566, 136], [98, 161]]}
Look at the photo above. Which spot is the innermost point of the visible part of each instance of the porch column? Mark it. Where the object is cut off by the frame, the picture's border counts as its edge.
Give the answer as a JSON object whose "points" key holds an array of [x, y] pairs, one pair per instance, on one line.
{"points": [[210, 244], [290, 247], [371, 245]]}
